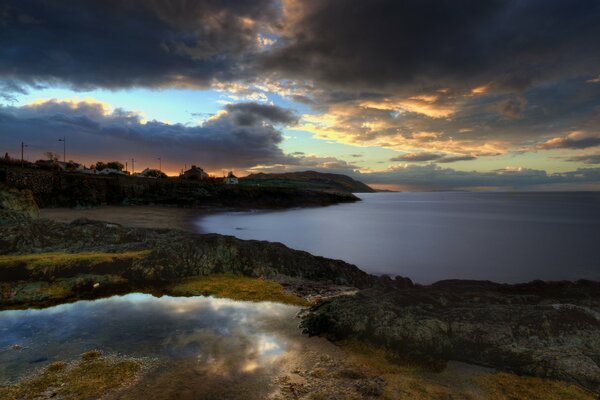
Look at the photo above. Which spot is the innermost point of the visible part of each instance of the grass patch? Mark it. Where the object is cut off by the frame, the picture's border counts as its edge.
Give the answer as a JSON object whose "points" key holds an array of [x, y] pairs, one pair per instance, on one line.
{"points": [[41, 261], [502, 386], [236, 287], [405, 379], [376, 360], [89, 378]]}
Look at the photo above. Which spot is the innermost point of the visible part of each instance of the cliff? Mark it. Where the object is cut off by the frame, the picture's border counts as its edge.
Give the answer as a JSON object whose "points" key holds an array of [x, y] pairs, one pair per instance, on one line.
{"points": [[62, 189]]}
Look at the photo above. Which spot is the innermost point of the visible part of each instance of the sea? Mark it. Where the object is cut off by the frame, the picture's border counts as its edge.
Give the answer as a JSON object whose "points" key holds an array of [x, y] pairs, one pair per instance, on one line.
{"points": [[499, 236]]}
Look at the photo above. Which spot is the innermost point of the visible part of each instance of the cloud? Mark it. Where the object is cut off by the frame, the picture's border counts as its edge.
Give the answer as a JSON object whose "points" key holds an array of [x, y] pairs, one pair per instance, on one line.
{"points": [[451, 159], [252, 113], [512, 108], [435, 157], [383, 43], [586, 159], [573, 140], [417, 157], [240, 136], [455, 81], [433, 177], [116, 44], [299, 161]]}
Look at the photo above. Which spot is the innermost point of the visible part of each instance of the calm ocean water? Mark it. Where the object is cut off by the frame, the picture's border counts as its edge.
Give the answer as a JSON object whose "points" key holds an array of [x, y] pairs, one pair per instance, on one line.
{"points": [[504, 237]]}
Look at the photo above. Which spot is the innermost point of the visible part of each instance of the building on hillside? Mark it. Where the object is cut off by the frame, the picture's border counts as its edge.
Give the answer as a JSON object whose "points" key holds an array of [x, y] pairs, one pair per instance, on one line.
{"points": [[151, 173], [111, 171], [231, 179], [49, 164], [70, 166], [196, 173]]}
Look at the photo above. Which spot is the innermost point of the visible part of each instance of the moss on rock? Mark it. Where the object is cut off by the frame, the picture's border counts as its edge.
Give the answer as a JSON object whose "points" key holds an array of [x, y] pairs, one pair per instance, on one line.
{"points": [[236, 287], [88, 378]]}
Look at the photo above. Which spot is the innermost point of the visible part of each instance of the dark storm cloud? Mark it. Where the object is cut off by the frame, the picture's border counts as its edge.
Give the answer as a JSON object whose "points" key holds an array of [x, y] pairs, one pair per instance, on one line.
{"points": [[574, 140], [369, 44], [251, 113], [93, 132], [129, 43], [382, 43]]}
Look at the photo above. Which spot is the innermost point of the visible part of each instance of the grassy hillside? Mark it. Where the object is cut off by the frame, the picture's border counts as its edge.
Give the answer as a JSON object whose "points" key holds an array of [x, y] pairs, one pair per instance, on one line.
{"points": [[308, 180]]}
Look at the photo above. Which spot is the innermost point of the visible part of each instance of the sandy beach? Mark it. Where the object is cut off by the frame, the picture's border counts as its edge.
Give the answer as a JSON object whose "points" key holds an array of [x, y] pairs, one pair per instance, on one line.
{"points": [[131, 216]]}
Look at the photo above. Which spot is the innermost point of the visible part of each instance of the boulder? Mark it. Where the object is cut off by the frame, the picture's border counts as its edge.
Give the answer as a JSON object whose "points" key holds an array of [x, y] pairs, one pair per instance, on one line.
{"points": [[18, 201]]}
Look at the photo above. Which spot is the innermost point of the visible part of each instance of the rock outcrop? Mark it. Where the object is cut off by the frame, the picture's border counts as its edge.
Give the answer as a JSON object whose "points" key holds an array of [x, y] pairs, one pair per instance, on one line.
{"points": [[18, 201], [170, 255], [543, 329]]}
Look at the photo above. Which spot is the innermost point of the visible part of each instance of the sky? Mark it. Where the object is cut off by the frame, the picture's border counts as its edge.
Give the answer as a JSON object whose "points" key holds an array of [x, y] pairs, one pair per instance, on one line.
{"points": [[400, 94]]}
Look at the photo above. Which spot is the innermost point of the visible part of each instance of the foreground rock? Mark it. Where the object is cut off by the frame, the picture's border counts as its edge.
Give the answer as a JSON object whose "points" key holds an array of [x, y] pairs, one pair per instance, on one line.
{"points": [[14, 202], [543, 329], [96, 258]]}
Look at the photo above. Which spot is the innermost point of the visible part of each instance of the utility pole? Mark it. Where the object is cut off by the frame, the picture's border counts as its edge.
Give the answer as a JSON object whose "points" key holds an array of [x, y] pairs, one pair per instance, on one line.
{"points": [[126, 170], [132, 166], [64, 140], [160, 164], [23, 145]]}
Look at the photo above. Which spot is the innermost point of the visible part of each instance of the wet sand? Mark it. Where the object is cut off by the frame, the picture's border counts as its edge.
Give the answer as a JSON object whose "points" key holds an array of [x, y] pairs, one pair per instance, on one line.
{"points": [[132, 216]]}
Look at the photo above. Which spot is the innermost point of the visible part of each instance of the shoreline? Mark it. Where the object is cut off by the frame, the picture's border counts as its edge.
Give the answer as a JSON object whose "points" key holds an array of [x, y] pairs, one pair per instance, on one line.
{"points": [[134, 216], [477, 322]]}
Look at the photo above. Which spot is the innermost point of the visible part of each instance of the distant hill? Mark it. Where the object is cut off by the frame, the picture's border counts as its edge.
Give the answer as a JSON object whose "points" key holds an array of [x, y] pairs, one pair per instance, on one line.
{"points": [[308, 180]]}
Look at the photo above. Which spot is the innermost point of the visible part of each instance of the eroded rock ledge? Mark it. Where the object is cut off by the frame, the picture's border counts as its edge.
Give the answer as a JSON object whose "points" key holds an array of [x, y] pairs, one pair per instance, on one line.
{"points": [[146, 258], [544, 329]]}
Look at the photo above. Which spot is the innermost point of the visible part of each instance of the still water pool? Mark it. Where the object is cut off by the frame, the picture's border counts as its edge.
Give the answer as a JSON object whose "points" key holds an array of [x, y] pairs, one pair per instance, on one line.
{"points": [[205, 345]]}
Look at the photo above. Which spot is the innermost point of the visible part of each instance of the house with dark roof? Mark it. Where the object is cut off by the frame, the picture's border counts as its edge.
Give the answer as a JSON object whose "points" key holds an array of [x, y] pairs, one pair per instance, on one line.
{"points": [[196, 173]]}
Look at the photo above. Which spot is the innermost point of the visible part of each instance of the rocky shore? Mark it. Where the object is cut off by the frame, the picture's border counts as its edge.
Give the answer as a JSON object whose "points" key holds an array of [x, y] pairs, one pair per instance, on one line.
{"points": [[542, 329], [549, 330], [168, 255]]}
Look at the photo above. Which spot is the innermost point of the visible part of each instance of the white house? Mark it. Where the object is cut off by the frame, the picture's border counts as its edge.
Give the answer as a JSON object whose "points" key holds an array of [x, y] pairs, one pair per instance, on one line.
{"points": [[231, 179], [111, 171]]}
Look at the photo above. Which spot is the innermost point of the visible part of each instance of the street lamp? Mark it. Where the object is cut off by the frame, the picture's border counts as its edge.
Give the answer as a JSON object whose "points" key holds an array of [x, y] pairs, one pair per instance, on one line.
{"points": [[64, 140], [160, 164], [23, 145]]}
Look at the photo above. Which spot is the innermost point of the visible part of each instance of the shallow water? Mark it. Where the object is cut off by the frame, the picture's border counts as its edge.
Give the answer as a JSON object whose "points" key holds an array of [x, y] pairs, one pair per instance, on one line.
{"points": [[504, 237], [201, 341]]}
